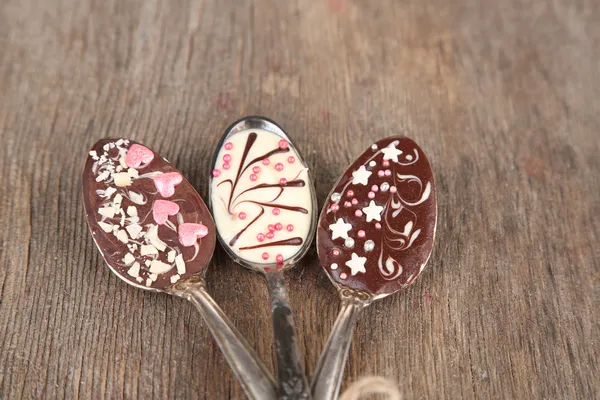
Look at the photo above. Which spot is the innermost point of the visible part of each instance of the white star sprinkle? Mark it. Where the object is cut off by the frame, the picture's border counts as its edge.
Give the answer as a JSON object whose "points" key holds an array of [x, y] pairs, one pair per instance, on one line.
{"points": [[361, 176], [340, 229], [356, 264], [391, 152], [373, 212]]}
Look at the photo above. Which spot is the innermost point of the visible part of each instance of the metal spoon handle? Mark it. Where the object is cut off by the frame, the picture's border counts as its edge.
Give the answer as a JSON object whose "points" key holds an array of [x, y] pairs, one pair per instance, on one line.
{"points": [[330, 369], [293, 383], [254, 377]]}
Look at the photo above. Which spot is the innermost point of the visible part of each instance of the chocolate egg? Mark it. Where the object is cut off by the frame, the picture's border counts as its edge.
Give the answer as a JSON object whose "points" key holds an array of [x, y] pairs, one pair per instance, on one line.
{"points": [[377, 226], [149, 223]]}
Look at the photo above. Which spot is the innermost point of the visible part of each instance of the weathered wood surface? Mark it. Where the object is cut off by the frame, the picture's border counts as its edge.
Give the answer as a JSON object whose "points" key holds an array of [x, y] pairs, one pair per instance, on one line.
{"points": [[503, 96]]}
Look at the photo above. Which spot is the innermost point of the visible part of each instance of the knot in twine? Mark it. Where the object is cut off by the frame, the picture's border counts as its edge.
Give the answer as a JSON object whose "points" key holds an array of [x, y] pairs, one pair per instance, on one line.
{"points": [[370, 385]]}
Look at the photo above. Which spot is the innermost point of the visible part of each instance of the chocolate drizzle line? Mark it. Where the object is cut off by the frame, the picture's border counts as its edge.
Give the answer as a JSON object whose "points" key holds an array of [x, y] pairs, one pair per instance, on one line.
{"points": [[295, 183], [295, 241], [290, 208], [237, 236]]}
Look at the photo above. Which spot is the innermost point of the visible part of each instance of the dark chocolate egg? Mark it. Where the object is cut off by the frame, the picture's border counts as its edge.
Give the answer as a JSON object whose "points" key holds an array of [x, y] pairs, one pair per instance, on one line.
{"points": [[147, 220], [377, 226]]}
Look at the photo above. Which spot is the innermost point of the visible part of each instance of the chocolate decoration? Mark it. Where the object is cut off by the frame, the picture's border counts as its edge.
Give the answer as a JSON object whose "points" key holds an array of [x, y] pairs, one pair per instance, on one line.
{"points": [[376, 229], [147, 220]]}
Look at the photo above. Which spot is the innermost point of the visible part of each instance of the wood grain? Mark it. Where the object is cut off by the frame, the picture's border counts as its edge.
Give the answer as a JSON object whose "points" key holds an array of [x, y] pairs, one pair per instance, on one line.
{"points": [[502, 95]]}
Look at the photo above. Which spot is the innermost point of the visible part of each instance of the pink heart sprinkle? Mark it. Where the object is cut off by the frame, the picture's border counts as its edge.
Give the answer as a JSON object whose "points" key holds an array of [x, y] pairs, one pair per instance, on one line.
{"points": [[165, 183], [161, 209], [138, 155], [189, 233]]}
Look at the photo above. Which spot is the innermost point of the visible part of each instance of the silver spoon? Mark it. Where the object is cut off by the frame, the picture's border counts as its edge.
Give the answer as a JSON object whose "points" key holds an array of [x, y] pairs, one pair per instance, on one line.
{"points": [[375, 235], [156, 234], [264, 205]]}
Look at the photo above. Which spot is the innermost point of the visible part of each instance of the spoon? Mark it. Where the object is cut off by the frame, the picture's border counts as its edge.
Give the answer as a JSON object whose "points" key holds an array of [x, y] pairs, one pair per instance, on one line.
{"points": [[375, 235], [155, 233], [264, 205]]}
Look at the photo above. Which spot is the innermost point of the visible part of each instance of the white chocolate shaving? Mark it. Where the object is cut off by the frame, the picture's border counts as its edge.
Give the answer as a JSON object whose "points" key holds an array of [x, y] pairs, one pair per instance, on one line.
{"points": [[105, 227], [122, 236], [159, 267], [132, 211], [128, 259], [171, 256], [148, 249], [180, 264], [134, 230], [107, 212], [103, 175]]}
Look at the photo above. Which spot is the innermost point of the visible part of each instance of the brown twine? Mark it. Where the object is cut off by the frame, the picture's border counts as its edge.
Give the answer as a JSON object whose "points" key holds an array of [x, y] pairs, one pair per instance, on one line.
{"points": [[372, 385]]}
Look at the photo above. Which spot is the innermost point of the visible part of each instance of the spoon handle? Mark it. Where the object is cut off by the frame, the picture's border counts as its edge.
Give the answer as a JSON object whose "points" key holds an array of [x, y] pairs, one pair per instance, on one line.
{"points": [[293, 383], [254, 377], [330, 369]]}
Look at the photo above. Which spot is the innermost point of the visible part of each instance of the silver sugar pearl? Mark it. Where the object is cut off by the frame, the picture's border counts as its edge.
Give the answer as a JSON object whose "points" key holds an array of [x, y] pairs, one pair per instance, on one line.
{"points": [[384, 187], [373, 146], [349, 243], [369, 245], [335, 197]]}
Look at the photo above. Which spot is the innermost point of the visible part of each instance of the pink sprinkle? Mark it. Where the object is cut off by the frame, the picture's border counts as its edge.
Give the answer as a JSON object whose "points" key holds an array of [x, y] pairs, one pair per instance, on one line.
{"points": [[343, 275], [276, 211], [226, 166], [227, 158], [253, 177], [279, 258], [279, 166], [278, 226], [290, 227], [347, 204], [283, 144], [335, 207], [266, 161], [228, 146], [380, 173], [377, 225], [270, 235], [216, 172], [242, 215], [350, 193], [256, 169], [260, 237], [374, 188], [354, 202], [267, 269], [393, 189], [371, 195], [265, 256], [385, 163], [279, 265], [336, 252], [291, 159], [271, 227], [361, 233], [282, 181], [358, 213], [388, 172]]}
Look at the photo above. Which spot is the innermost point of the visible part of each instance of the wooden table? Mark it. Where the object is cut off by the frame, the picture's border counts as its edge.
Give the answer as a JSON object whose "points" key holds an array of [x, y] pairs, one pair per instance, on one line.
{"points": [[502, 95]]}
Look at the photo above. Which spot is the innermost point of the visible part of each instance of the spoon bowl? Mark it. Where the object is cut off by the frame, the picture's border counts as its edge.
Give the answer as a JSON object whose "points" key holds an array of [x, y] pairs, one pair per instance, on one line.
{"points": [[155, 233], [264, 204]]}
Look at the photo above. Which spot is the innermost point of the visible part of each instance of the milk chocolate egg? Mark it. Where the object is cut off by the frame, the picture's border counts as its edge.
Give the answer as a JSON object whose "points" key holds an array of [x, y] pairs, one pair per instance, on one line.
{"points": [[149, 223], [376, 228]]}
